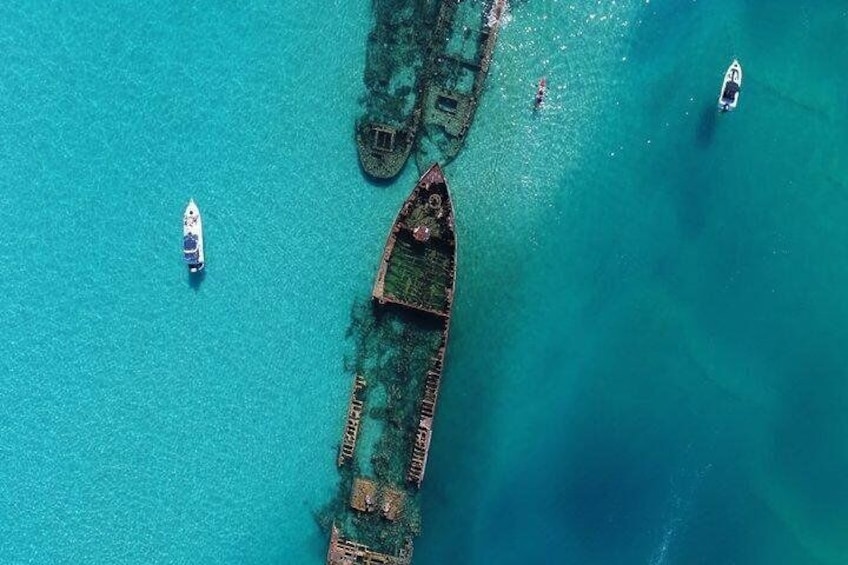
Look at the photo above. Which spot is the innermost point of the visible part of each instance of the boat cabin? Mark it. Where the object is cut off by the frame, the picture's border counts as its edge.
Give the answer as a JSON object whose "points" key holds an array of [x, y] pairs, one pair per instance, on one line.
{"points": [[190, 251], [730, 91]]}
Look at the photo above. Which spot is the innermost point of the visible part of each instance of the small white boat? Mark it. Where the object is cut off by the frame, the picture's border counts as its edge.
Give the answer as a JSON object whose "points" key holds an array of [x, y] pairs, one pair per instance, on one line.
{"points": [[193, 238], [728, 98]]}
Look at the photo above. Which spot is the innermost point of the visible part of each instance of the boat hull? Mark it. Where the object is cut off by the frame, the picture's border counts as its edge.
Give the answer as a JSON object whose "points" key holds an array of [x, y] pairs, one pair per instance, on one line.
{"points": [[728, 96], [193, 253], [384, 150]]}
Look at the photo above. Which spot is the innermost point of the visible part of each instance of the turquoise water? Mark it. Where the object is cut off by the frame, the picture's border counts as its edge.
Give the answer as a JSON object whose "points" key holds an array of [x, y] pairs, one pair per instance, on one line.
{"points": [[647, 360]]}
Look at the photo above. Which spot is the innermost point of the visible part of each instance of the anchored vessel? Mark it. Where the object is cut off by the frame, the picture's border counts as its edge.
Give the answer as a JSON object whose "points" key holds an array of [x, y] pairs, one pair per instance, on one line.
{"points": [[377, 514], [464, 41], [193, 238], [728, 98], [395, 57]]}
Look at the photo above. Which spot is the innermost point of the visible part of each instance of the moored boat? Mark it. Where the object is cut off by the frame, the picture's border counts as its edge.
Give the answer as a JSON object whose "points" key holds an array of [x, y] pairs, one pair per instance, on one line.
{"points": [[728, 98], [193, 238]]}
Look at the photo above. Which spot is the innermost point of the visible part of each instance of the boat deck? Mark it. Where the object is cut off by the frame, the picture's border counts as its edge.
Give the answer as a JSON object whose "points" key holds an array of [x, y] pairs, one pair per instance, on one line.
{"points": [[417, 269], [418, 276]]}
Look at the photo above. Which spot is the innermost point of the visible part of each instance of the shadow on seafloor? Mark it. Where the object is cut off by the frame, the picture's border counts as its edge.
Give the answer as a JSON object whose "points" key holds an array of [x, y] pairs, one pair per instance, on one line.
{"points": [[706, 126], [196, 279]]}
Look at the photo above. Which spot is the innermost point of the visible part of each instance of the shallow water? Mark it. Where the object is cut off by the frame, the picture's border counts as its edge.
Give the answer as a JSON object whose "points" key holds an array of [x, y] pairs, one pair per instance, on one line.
{"points": [[646, 360]]}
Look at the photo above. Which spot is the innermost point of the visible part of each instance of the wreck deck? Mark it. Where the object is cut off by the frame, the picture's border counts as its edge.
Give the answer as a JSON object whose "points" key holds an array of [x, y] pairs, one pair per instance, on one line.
{"points": [[383, 150], [418, 265], [396, 56], [347, 552], [456, 78]]}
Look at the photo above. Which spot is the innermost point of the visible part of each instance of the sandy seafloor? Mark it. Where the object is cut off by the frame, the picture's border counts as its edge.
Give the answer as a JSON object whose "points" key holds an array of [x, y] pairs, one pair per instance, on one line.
{"points": [[647, 359]]}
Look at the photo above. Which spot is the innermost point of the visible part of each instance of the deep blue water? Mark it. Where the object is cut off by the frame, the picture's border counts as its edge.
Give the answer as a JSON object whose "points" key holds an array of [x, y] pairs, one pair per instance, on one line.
{"points": [[647, 357]]}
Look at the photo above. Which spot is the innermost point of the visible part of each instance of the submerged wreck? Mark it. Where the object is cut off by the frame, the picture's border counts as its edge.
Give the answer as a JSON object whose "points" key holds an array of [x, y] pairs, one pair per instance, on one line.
{"points": [[395, 58], [459, 62], [386, 439]]}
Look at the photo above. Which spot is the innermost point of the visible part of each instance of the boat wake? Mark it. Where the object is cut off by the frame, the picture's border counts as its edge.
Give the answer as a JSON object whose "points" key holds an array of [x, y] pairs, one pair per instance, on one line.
{"points": [[660, 555], [679, 505]]}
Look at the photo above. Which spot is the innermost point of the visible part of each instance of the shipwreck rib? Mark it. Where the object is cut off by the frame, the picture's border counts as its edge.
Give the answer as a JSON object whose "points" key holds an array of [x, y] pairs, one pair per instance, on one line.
{"points": [[354, 415]]}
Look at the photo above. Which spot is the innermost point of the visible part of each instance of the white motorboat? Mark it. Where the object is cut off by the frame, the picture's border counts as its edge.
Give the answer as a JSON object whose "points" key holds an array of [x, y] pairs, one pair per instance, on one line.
{"points": [[728, 98], [193, 238]]}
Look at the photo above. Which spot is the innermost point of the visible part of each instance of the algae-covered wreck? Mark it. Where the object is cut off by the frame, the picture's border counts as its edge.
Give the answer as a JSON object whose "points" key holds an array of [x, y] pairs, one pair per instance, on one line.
{"points": [[456, 76], [395, 59], [386, 438], [425, 71]]}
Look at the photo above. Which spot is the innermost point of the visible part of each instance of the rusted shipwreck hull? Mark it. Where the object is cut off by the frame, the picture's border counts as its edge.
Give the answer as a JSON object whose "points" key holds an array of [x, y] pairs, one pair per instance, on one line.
{"points": [[415, 282]]}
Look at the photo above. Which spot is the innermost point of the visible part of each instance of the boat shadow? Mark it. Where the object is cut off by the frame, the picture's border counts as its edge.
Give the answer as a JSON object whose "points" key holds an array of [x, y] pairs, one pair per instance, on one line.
{"points": [[196, 279], [706, 126], [693, 203]]}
